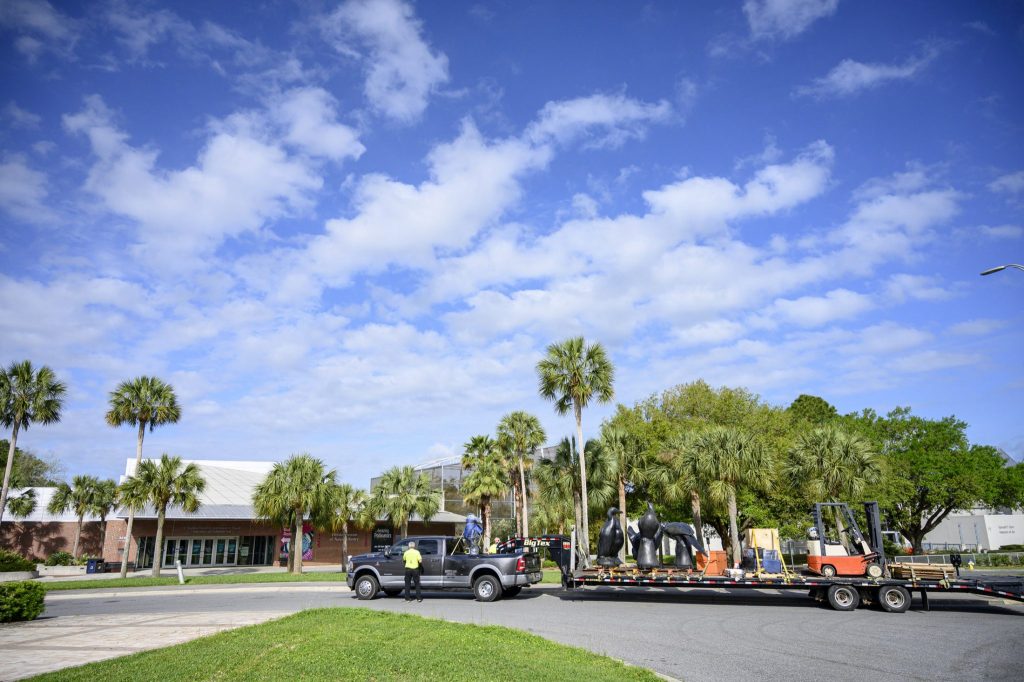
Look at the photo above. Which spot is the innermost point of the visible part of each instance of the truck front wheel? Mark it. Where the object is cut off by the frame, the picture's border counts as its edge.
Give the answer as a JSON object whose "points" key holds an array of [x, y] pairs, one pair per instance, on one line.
{"points": [[366, 587], [486, 588]]}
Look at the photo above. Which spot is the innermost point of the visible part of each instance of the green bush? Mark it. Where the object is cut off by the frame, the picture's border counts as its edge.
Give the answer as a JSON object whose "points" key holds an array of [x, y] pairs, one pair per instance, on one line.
{"points": [[1012, 548], [60, 559], [10, 561], [21, 600]]}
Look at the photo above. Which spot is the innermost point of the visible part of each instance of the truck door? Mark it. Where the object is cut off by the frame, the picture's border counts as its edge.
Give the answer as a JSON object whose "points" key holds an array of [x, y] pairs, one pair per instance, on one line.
{"points": [[432, 562], [456, 564]]}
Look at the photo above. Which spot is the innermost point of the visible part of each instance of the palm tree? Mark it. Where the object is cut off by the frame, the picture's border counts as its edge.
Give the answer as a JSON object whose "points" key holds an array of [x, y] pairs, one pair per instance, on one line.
{"points": [[560, 487], [830, 465], [161, 484], [143, 401], [680, 477], [27, 397], [402, 492], [348, 507], [571, 374], [104, 501], [298, 487], [22, 505], [521, 433], [77, 497], [487, 480], [726, 459], [623, 448]]}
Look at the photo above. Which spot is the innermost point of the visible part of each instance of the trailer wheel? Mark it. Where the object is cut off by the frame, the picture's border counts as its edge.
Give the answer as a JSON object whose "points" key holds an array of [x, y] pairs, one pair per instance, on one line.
{"points": [[486, 588], [894, 598], [828, 570], [873, 571], [366, 587], [843, 597]]}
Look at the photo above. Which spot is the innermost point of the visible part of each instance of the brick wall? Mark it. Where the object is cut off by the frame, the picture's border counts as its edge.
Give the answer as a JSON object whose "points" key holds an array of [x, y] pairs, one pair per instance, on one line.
{"points": [[38, 540]]}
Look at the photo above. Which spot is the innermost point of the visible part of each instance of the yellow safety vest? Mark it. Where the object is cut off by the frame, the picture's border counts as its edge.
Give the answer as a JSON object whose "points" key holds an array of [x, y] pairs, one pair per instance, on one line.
{"points": [[412, 558]]}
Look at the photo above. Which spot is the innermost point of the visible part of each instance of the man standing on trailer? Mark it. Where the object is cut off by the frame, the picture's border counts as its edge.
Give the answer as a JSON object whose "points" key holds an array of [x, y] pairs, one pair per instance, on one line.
{"points": [[413, 565]]}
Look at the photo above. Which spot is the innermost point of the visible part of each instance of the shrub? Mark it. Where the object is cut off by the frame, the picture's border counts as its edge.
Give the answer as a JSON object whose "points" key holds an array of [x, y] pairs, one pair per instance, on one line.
{"points": [[21, 600], [10, 561], [60, 559], [1012, 548]]}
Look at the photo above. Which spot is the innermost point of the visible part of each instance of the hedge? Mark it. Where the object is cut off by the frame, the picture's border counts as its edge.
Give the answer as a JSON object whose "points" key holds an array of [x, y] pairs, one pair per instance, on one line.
{"points": [[21, 601], [11, 561], [60, 559]]}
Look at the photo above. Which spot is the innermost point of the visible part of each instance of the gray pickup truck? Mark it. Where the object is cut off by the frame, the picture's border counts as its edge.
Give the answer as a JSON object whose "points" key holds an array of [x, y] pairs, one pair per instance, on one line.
{"points": [[446, 565]]}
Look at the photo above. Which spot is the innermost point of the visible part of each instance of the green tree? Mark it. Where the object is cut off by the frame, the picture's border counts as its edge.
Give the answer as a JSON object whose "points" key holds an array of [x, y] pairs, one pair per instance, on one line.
{"points": [[160, 485], [488, 479], [831, 465], [79, 498], [348, 508], [630, 464], [298, 487], [572, 374], [521, 433], [560, 489], [30, 470], [23, 504], [681, 475], [729, 458], [104, 502], [812, 410], [142, 401], [27, 396], [400, 493]]}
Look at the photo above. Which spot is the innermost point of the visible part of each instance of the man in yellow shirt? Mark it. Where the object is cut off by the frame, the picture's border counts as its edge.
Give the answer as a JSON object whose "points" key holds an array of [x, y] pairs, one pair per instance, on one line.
{"points": [[413, 565]]}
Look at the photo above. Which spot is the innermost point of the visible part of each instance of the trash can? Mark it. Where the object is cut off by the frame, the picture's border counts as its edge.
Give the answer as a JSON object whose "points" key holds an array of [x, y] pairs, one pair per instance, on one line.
{"points": [[92, 566]]}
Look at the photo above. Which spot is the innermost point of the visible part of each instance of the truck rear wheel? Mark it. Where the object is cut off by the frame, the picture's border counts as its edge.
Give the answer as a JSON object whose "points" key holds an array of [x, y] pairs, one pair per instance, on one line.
{"points": [[366, 587], [893, 598], [843, 597], [486, 588]]}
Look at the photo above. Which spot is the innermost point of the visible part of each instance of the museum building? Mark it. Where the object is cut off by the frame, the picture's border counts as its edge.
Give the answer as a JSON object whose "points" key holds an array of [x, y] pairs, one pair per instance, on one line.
{"points": [[223, 532]]}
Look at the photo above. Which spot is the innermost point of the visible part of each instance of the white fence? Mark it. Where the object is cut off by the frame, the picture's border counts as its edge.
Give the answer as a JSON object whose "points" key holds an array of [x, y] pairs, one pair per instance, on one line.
{"points": [[995, 559]]}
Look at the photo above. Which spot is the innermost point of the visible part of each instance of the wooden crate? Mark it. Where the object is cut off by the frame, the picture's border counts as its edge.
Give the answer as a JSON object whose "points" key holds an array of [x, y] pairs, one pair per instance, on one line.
{"points": [[922, 571]]}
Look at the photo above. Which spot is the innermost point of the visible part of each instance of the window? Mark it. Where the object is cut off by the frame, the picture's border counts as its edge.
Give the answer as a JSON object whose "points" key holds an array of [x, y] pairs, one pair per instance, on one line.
{"points": [[427, 547]]}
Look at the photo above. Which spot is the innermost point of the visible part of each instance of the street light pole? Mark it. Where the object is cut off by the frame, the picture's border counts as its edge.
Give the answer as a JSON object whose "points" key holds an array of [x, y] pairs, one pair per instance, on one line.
{"points": [[1002, 267]]}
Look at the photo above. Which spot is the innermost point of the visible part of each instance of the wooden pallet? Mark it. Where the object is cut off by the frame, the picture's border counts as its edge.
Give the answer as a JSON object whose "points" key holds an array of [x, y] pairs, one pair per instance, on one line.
{"points": [[922, 571]]}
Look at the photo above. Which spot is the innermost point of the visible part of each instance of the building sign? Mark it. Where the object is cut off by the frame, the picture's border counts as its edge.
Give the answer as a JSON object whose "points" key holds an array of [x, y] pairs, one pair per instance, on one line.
{"points": [[307, 542], [337, 537], [383, 538]]}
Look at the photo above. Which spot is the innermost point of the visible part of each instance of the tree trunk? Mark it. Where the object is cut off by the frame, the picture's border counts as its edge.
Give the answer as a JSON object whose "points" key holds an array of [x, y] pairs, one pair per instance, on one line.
{"points": [[585, 506], [623, 551], [516, 509], [344, 544], [698, 525], [103, 534], [158, 553], [297, 542], [131, 512], [578, 516], [524, 495], [405, 528], [7, 470], [734, 532], [487, 525], [78, 537], [291, 545]]}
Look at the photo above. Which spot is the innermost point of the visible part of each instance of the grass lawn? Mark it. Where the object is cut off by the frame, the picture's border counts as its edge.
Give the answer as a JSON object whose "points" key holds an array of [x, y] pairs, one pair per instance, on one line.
{"points": [[360, 644], [228, 579], [551, 576]]}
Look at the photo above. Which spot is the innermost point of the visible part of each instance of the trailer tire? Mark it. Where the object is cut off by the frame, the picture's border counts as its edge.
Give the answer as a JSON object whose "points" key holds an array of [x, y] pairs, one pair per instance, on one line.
{"points": [[366, 587], [486, 588], [828, 570], [873, 571], [894, 598], [843, 597]]}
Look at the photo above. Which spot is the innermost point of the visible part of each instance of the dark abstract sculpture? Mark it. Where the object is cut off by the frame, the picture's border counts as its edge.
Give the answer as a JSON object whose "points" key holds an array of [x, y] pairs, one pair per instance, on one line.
{"points": [[647, 541], [686, 541], [610, 540]]}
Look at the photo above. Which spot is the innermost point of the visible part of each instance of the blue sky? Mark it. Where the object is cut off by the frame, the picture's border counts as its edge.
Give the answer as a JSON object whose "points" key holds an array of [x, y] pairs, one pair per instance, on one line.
{"points": [[351, 229]]}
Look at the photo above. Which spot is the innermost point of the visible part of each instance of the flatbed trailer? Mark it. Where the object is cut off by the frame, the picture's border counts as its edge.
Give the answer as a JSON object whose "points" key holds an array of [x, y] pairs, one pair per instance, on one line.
{"points": [[843, 594]]}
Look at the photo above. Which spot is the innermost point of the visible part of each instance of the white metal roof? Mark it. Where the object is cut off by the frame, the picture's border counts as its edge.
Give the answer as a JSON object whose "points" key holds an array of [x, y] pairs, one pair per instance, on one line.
{"points": [[40, 515]]}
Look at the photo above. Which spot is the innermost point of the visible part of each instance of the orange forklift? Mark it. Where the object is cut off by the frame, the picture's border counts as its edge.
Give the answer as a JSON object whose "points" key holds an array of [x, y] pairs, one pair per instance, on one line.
{"points": [[845, 551]]}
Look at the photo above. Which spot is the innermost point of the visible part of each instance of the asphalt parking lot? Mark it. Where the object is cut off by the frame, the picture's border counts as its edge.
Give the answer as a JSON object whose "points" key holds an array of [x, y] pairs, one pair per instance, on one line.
{"points": [[701, 634]]}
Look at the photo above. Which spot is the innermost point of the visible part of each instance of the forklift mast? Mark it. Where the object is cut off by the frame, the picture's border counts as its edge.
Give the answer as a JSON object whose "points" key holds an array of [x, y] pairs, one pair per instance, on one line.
{"points": [[874, 520]]}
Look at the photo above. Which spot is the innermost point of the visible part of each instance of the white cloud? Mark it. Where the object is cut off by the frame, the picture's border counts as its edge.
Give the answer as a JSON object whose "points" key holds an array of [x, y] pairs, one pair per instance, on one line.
{"points": [[932, 360], [237, 184], [1001, 231], [615, 118], [23, 191], [851, 77], [402, 70], [814, 311], [785, 19], [886, 338], [708, 333], [309, 117], [1012, 183], [977, 327], [20, 118], [40, 27], [902, 287]]}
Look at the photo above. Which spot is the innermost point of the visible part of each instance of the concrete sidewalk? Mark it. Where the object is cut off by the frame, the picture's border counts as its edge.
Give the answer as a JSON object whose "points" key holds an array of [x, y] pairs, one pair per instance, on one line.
{"points": [[190, 572], [49, 644]]}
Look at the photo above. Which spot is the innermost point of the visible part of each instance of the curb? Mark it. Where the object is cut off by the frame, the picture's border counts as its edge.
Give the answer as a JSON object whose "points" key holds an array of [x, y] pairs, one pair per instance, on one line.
{"points": [[166, 591]]}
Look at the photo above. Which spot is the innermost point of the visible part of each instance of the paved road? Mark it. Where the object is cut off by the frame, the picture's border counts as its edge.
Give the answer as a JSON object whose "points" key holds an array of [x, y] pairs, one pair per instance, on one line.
{"points": [[696, 635]]}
